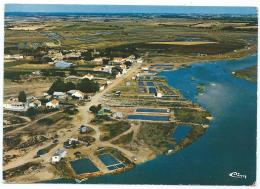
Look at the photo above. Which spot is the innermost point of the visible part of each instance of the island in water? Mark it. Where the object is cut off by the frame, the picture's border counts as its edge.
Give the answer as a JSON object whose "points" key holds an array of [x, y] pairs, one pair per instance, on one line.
{"points": [[84, 95], [249, 74]]}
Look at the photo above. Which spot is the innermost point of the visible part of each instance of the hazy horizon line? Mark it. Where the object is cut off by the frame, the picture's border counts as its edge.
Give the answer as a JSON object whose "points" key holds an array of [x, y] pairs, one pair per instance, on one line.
{"points": [[120, 9]]}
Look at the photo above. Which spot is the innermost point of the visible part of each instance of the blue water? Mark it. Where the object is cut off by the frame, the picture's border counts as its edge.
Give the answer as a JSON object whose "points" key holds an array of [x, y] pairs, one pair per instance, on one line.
{"points": [[83, 166], [152, 90], [228, 145], [149, 117], [107, 159], [151, 110], [181, 132], [149, 84]]}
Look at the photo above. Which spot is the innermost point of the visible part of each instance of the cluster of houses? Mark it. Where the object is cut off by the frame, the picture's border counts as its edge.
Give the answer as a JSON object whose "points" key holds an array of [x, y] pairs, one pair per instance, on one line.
{"points": [[13, 104]]}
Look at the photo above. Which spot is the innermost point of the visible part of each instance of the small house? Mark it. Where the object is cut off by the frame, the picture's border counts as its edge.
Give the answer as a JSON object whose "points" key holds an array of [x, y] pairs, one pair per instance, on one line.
{"points": [[107, 69], [117, 115], [78, 94], [101, 88], [117, 93], [59, 154], [59, 95], [70, 143], [16, 106], [83, 129], [158, 95], [53, 104], [35, 103]]}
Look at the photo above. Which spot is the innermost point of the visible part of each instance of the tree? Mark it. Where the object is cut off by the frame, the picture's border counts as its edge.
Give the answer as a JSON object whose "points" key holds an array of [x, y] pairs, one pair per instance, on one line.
{"points": [[57, 85], [87, 86], [70, 86], [95, 109], [22, 96], [105, 61], [87, 55], [128, 64]]}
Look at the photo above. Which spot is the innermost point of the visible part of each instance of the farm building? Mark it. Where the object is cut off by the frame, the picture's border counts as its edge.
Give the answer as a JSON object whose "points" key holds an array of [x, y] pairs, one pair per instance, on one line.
{"points": [[59, 154], [107, 69], [53, 104], [16, 106], [60, 95], [35, 104], [78, 94], [63, 64]]}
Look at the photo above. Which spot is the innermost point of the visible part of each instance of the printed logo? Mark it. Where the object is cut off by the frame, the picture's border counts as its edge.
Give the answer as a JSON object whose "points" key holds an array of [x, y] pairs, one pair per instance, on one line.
{"points": [[237, 175]]}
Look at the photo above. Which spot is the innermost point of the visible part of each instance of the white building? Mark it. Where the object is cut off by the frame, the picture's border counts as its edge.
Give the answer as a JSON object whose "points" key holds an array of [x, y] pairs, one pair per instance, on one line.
{"points": [[117, 115], [139, 60], [16, 106], [88, 76], [53, 104], [159, 95], [59, 154], [35, 104], [60, 95], [101, 88], [145, 68], [78, 94], [14, 56], [108, 82], [107, 69]]}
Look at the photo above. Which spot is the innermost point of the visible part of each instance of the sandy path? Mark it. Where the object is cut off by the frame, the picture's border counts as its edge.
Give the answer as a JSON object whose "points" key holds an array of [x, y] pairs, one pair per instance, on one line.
{"points": [[33, 122]]}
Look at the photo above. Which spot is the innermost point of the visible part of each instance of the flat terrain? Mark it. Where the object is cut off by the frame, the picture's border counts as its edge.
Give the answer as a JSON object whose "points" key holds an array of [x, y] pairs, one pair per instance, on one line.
{"points": [[156, 44]]}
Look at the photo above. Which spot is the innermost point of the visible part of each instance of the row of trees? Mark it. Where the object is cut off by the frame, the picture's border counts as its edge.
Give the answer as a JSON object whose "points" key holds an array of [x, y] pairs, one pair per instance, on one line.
{"points": [[85, 85]]}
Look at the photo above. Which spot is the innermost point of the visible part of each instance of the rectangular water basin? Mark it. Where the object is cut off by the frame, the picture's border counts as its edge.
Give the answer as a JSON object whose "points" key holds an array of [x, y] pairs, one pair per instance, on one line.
{"points": [[149, 84], [108, 159], [151, 110], [81, 166], [148, 117], [152, 90]]}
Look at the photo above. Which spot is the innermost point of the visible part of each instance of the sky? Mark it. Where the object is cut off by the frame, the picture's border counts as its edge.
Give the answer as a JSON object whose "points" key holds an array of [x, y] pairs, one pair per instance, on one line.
{"points": [[126, 9]]}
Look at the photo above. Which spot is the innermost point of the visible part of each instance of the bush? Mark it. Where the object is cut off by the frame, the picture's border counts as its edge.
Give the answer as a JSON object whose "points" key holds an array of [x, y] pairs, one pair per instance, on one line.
{"points": [[95, 109]]}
